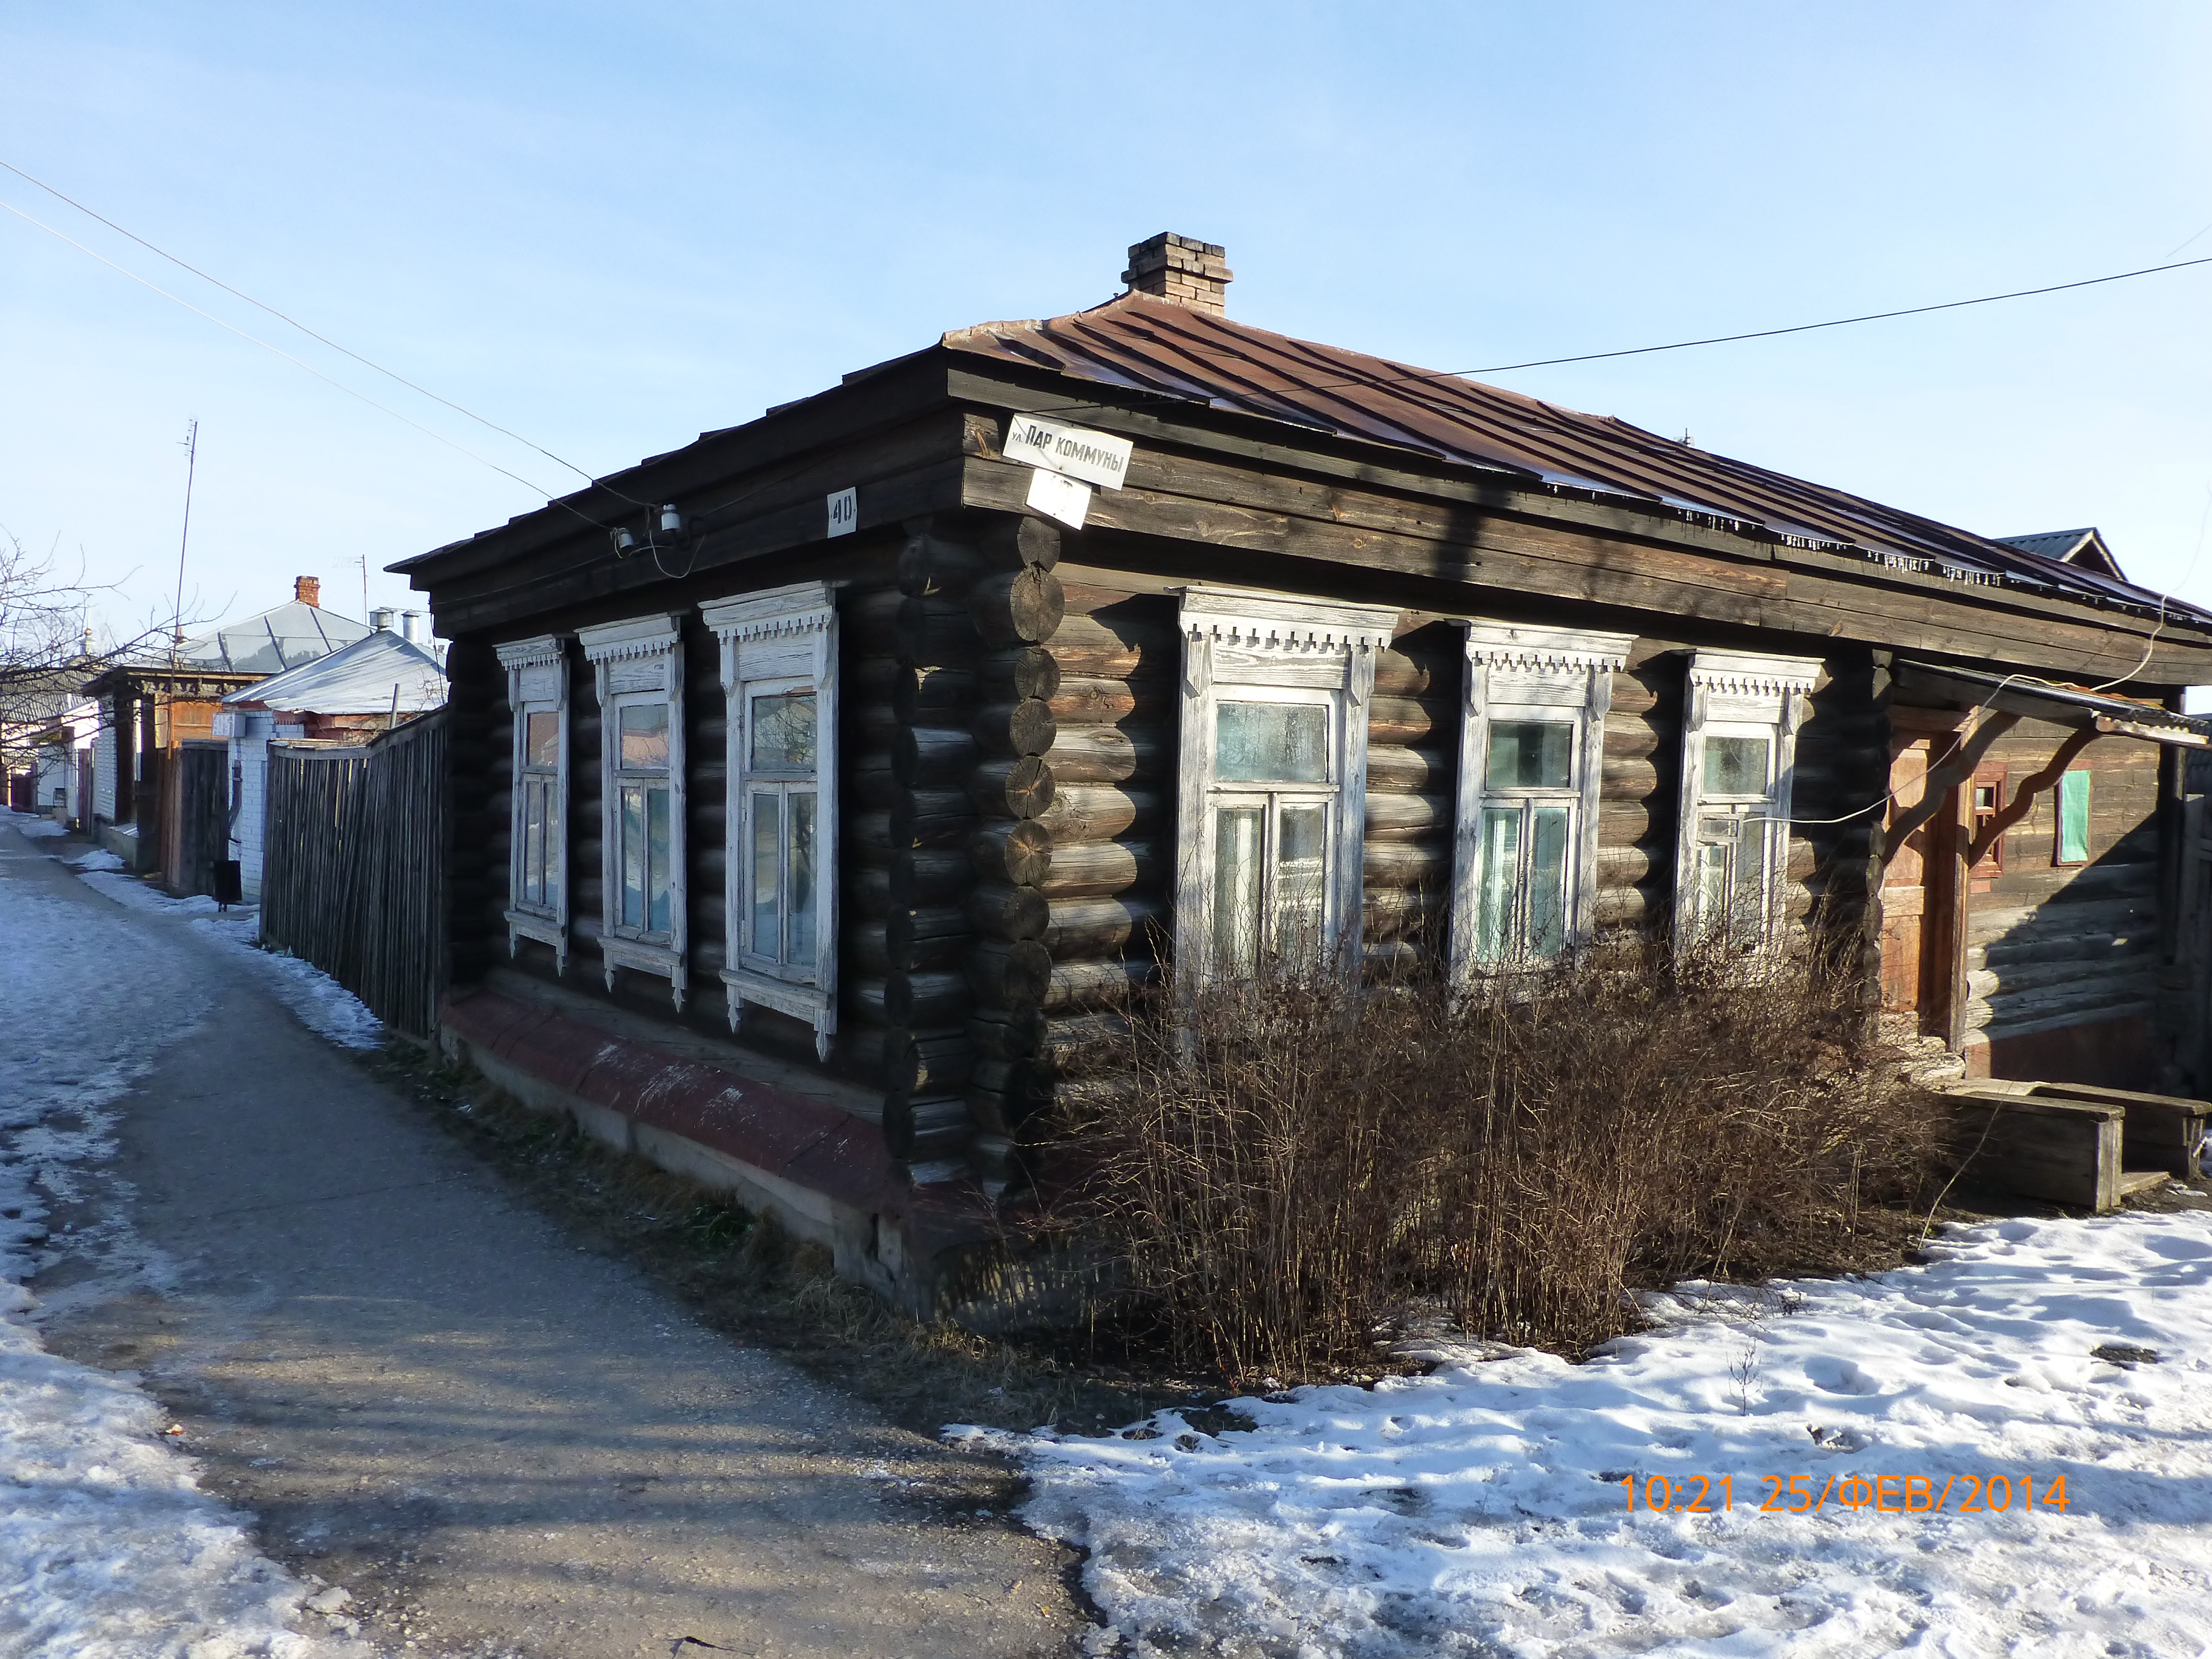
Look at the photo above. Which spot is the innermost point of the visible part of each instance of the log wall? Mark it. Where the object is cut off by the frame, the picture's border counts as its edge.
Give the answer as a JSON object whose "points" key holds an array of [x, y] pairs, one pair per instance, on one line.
{"points": [[1412, 768], [2057, 949], [1839, 772]]}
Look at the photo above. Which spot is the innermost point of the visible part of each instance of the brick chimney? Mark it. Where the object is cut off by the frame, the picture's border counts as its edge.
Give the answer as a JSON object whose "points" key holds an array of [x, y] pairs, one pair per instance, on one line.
{"points": [[308, 590], [1190, 273]]}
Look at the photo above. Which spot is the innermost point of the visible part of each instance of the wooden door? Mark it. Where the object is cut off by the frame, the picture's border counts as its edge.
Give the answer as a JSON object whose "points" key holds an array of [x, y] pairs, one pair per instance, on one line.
{"points": [[1922, 923]]}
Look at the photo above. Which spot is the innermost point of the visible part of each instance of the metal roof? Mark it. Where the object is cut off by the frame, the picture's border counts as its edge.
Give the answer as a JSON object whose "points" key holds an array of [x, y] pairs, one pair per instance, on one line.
{"points": [[2084, 549], [1155, 347], [2050, 543], [283, 637], [365, 677], [2041, 699]]}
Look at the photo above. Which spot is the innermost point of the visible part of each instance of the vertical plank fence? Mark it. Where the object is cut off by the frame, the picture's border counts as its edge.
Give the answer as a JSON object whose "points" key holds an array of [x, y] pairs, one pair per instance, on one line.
{"points": [[351, 875]]}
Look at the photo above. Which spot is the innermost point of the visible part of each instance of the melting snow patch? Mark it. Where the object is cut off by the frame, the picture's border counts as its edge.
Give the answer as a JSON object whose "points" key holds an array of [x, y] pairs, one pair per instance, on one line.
{"points": [[99, 859], [107, 1546], [324, 1006], [136, 894], [1483, 1509]]}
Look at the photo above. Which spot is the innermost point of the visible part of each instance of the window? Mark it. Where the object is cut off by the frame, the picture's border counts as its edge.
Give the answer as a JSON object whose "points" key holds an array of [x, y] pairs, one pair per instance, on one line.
{"points": [[1988, 797], [639, 674], [1273, 785], [1739, 748], [2073, 819], [1531, 746], [537, 838], [641, 825], [780, 675]]}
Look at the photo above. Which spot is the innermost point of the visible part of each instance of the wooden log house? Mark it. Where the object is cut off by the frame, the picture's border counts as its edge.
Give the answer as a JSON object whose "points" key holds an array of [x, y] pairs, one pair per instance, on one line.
{"points": [[813, 783]]}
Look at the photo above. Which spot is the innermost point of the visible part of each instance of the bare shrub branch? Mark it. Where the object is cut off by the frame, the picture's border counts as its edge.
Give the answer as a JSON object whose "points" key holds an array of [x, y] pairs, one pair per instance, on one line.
{"points": [[1282, 1166]]}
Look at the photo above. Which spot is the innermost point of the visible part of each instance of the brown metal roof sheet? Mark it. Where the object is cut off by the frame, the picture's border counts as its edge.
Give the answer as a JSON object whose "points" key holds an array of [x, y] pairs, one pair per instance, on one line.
{"points": [[1156, 348]]}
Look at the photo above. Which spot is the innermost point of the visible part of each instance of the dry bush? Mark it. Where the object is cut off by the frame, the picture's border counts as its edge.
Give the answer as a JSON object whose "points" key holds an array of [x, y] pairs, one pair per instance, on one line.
{"points": [[1283, 1166]]}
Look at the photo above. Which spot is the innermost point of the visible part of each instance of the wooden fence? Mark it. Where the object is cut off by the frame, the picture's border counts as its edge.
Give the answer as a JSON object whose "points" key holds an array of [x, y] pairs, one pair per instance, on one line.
{"points": [[350, 868]]}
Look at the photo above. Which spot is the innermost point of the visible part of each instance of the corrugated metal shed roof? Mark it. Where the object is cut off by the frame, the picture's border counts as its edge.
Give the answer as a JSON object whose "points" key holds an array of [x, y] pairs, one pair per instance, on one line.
{"points": [[361, 678], [282, 637], [1141, 344]]}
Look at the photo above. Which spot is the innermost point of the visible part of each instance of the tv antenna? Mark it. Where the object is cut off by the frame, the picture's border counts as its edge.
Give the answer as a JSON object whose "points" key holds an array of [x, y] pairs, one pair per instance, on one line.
{"points": [[184, 538]]}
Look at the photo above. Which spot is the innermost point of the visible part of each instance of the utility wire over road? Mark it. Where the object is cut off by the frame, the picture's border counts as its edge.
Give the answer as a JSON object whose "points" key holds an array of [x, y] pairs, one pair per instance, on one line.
{"points": [[1323, 385]]}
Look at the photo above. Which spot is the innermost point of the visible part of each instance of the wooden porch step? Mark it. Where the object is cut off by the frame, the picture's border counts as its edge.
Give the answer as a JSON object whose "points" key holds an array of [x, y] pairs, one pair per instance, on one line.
{"points": [[2142, 1181], [2164, 1132], [2067, 1152]]}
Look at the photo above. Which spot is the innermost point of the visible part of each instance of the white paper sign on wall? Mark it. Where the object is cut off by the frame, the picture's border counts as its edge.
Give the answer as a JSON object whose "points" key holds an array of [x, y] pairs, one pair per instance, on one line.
{"points": [[844, 512], [1066, 499], [1096, 458]]}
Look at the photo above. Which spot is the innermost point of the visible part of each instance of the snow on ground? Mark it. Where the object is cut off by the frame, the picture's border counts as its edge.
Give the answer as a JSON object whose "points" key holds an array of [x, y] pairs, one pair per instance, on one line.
{"points": [[323, 1005], [107, 1548], [1479, 1510], [99, 859]]}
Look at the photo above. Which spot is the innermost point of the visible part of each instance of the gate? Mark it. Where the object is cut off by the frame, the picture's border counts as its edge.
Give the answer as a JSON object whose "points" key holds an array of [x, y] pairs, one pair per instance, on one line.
{"points": [[202, 777]]}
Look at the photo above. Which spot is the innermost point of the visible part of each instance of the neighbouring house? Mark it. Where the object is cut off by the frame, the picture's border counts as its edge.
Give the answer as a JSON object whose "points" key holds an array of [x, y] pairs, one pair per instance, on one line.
{"points": [[160, 783], [2084, 547], [797, 819], [372, 685], [63, 764], [35, 699]]}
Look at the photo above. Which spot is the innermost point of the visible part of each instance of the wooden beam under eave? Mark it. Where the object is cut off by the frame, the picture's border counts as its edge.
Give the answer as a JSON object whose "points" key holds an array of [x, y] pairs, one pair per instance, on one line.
{"points": [[799, 527], [1504, 556]]}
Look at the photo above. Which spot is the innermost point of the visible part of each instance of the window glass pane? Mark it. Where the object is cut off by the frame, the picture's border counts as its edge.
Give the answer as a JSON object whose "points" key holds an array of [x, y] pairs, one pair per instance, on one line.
{"points": [[556, 843], [1500, 874], [644, 736], [656, 833], [533, 843], [1301, 877], [1547, 883], [1735, 766], [767, 867], [542, 743], [801, 952], [632, 858], [2074, 818], [1715, 839], [783, 731], [1748, 917], [1712, 886], [1271, 742], [1237, 889], [1530, 755]]}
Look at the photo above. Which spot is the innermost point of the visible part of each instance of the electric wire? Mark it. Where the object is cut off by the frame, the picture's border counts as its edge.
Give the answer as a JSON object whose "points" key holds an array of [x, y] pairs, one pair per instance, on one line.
{"points": [[279, 351], [1437, 376], [325, 339]]}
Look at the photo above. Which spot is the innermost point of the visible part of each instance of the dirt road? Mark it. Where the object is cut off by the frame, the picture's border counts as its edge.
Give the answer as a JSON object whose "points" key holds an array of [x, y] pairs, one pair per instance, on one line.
{"points": [[495, 1441]]}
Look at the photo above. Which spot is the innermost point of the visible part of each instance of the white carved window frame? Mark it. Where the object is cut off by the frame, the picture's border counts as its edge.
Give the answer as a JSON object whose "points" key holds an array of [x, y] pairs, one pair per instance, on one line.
{"points": [[1749, 695], [1262, 648], [640, 661], [537, 683], [1516, 671], [787, 637]]}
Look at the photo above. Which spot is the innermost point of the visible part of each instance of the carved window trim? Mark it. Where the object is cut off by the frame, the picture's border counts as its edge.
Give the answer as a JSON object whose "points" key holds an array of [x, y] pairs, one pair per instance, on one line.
{"points": [[537, 683], [1269, 647], [786, 637], [1739, 694], [1517, 671], [640, 661]]}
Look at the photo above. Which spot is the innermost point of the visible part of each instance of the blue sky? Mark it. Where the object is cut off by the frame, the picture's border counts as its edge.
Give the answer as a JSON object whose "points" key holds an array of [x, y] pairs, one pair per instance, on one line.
{"points": [[611, 228]]}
